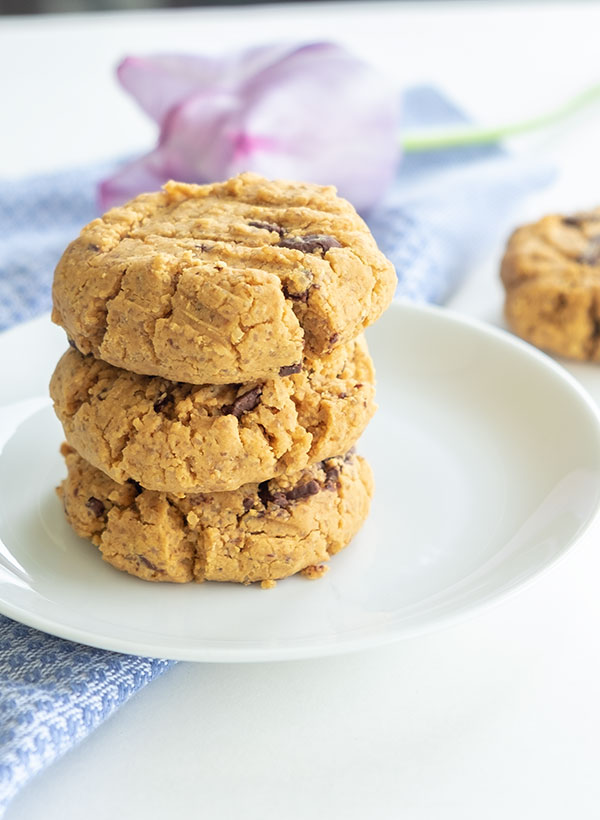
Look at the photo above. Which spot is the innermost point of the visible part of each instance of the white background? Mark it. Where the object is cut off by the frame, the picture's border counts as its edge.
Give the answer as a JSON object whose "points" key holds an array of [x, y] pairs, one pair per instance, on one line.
{"points": [[498, 717]]}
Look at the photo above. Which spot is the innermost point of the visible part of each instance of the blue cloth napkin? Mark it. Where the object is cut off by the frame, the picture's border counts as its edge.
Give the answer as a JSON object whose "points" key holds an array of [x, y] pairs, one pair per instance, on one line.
{"points": [[444, 209]]}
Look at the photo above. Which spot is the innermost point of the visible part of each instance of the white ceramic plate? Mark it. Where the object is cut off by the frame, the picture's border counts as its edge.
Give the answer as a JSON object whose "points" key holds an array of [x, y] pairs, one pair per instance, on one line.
{"points": [[487, 464]]}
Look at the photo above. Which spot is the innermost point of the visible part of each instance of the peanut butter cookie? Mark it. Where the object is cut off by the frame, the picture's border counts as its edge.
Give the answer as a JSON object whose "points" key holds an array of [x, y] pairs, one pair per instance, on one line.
{"points": [[223, 283], [551, 272], [183, 438], [260, 532]]}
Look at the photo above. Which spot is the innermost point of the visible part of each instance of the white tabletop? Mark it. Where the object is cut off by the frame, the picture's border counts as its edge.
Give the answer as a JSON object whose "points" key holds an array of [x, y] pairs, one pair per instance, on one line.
{"points": [[497, 717]]}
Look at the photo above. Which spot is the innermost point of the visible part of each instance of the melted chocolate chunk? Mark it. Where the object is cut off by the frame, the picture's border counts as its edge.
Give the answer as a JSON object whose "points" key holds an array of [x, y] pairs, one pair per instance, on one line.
{"points": [[284, 499], [138, 487], [263, 492], [331, 477], [279, 498], [268, 226], [297, 297], [96, 506], [591, 255], [162, 401], [303, 490], [147, 563], [576, 220], [288, 369], [244, 403], [310, 243], [248, 504]]}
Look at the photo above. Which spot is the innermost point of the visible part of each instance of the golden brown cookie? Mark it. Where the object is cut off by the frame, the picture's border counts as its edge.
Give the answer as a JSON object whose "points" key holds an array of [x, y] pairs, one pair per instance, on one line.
{"points": [[551, 272], [223, 283], [260, 532], [184, 438]]}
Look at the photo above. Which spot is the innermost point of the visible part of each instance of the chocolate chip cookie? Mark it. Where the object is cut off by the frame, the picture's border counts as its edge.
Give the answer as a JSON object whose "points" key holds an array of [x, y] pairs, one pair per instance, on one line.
{"points": [[223, 283], [260, 532], [551, 272], [182, 438]]}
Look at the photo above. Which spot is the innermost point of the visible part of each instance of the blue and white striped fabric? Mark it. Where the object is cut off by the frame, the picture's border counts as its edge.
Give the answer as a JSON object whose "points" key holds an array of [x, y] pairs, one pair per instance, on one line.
{"points": [[445, 208]]}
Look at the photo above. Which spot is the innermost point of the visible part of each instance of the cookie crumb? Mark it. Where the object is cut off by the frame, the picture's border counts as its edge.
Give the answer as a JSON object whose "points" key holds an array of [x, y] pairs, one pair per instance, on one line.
{"points": [[268, 584], [66, 449], [315, 571]]}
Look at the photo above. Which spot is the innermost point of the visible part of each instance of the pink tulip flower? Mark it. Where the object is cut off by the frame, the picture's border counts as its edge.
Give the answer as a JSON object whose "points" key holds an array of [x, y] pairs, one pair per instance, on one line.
{"points": [[311, 112]]}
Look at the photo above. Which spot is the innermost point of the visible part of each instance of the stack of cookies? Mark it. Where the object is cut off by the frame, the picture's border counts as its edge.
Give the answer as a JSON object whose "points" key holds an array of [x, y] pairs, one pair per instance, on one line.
{"points": [[217, 379]]}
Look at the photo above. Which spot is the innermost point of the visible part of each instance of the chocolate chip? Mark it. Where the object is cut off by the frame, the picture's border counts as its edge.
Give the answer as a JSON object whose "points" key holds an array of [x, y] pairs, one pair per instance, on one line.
{"points": [[198, 498], [591, 255], [149, 564], [284, 499], [288, 369], [310, 243], [576, 220], [244, 403], [331, 478], [297, 297], [263, 492], [268, 226], [303, 491], [138, 487], [248, 504], [94, 248], [162, 401], [96, 506], [279, 498], [334, 338]]}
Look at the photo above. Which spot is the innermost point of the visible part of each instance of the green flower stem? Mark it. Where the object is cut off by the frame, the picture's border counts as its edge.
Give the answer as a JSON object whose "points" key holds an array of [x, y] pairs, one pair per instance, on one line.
{"points": [[435, 139]]}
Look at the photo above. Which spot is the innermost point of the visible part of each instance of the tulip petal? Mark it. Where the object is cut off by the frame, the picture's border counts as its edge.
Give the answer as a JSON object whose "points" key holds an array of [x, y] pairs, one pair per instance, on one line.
{"points": [[333, 119], [162, 81], [145, 174]]}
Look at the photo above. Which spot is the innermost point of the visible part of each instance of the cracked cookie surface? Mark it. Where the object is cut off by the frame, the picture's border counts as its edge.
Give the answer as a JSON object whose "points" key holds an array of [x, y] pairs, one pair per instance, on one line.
{"points": [[260, 532], [181, 438], [551, 273], [222, 283]]}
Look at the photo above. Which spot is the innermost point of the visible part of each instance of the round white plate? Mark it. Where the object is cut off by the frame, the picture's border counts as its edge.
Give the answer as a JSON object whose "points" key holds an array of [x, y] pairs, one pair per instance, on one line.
{"points": [[487, 465]]}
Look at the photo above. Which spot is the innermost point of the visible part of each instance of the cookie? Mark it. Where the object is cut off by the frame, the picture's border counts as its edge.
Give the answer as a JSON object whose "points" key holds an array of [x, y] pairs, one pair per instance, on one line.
{"points": [[223, 283], [551, 272], [260, 532], [182, 438]]}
